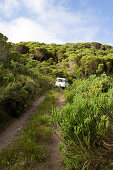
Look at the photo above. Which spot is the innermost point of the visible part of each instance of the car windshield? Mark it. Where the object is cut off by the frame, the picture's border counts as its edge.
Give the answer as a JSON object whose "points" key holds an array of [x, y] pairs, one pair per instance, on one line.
{"points": [[60, 80]]}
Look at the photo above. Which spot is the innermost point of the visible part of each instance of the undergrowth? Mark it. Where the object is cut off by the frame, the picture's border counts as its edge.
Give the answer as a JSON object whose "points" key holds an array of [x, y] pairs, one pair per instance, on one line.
{"points": [[30, 148], [86, 124]]}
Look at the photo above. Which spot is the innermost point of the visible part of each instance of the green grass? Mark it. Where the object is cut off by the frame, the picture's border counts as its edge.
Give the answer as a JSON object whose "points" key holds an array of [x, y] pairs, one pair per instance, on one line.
{"points": [[30, 148]]}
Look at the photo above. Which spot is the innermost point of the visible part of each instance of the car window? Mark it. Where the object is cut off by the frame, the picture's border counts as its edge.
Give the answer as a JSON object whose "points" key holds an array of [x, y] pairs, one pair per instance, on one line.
{"points": [[60, 80]]}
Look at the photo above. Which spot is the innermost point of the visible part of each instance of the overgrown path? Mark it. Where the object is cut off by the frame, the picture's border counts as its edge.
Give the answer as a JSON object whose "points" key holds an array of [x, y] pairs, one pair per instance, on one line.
{"points": [[10, 134], [55, 155]]}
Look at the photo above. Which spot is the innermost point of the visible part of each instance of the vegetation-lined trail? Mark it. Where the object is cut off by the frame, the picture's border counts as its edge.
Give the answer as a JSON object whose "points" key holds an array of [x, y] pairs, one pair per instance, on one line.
{"points": [[13, 131], [28, 69], [55, 155], [10, 134]]}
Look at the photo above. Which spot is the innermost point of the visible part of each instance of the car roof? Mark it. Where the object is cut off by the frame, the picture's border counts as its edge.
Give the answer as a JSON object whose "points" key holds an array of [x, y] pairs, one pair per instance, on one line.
{"points": [[61, 78]]}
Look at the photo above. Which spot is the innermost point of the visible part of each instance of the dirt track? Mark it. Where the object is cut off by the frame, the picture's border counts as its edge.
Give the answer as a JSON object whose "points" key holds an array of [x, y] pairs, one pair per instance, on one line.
{"points": [[10, 134], [55, 155]]}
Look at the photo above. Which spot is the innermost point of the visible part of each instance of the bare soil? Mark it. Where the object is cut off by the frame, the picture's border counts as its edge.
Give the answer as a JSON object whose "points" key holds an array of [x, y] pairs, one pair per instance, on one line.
{"points": [[11, 133]]}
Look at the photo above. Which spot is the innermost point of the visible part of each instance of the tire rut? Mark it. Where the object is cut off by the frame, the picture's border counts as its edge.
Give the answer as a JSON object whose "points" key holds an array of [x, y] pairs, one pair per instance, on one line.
{"points": [[55, 155], [12, 132]]}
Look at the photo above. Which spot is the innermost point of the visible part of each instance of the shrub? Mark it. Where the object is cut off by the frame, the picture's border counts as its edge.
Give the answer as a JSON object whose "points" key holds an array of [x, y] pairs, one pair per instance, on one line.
{"points": [[17, 95], [85, 122]]}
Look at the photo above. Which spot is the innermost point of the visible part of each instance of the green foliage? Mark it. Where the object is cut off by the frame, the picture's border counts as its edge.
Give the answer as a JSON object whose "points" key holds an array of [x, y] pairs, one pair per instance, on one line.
{"points": [[17, 95], [4, 49], [30, 149], [86, 121], [21, 49], [21, 79], [100, 68], [74, 59], [28, 69]]}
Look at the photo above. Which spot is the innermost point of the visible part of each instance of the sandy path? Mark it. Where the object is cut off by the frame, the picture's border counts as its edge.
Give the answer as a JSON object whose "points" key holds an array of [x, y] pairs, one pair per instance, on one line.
{"points": [[55, 155], [10, 134]]}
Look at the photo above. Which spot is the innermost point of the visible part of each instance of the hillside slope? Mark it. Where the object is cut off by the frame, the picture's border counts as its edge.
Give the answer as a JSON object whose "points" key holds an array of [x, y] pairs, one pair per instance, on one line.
{"points": [[70, 60]]}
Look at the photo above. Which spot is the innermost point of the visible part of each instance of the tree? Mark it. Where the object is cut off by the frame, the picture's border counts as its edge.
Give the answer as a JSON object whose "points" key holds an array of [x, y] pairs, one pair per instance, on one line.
{"points": [[4, 48]]}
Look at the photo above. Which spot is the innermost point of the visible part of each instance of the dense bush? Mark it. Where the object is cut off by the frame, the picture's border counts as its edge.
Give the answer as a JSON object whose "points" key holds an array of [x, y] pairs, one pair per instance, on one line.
{"points": [[21, 79], [85, 123], [17, 95], [71, 60]]}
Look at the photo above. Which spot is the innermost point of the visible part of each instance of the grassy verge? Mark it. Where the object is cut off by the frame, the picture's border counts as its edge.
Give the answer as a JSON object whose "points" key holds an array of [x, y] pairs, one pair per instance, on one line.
{"points": [[30, 149]]}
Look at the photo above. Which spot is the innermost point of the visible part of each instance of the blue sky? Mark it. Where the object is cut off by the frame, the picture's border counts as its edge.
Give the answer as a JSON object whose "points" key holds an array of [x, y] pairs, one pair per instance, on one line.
{"points": [[57, 21]]}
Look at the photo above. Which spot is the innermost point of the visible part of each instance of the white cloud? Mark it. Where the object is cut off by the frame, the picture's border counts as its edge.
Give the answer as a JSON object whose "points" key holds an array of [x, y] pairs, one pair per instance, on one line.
{"points": [[37, 6], [24, 29], [8, 7], [52, 22], [85, 34]]}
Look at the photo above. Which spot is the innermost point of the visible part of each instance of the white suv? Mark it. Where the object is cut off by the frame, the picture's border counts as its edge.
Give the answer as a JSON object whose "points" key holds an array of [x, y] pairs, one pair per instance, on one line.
{"points": [[61, 82]]}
